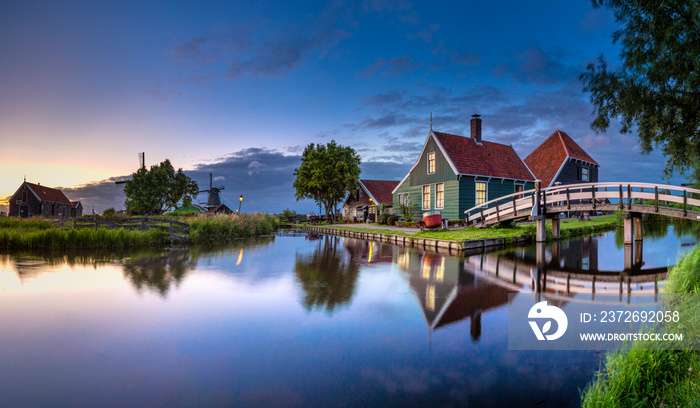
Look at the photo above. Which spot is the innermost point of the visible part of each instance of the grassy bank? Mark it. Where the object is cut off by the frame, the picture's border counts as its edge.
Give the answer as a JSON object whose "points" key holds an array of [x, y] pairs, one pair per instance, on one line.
{"points": [[17, 234], [654, 378], [50, 238], [569, 228]]}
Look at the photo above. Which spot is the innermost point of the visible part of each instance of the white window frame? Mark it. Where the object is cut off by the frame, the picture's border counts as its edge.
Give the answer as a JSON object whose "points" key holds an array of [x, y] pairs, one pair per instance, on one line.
{"points": [[424, 195], [440, 201], [585, 173], [476, 192], [433, 161]]}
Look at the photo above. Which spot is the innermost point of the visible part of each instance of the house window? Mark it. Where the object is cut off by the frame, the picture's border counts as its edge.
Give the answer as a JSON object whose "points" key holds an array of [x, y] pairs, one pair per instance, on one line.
{"points": [[584, 173], [426, 197], [24, 196], [440, 195], [431, 162], [405, 199], [480, 192]]}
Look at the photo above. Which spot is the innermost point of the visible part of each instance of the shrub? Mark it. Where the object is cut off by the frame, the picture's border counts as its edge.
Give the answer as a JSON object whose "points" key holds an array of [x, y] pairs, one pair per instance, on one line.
{"points": [[110, 212], [382, 218], [391, 220]]}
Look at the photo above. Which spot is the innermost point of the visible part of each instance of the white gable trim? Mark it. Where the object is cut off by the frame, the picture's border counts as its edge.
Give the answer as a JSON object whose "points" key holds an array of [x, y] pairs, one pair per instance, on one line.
{"points": [[444, 153], [28, 188], [551, 183]]}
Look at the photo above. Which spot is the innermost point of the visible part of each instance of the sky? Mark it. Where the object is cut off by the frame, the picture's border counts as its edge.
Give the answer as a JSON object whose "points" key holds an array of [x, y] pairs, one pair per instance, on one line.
{"points": [[239, 88]]}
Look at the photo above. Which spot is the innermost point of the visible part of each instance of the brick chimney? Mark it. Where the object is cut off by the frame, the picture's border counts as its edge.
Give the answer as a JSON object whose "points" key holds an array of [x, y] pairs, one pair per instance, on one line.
{"points": [[476, 128]]}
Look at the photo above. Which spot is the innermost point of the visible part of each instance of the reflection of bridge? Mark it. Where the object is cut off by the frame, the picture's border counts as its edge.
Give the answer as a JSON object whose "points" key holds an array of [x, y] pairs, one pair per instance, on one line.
{"points": [[634, 199], [551, 273]]}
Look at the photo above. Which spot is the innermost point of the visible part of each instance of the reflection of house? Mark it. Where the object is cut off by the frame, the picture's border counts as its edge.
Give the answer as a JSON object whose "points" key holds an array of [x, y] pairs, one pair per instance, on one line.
{"points": [[454, 173], [367, 196], [447, 292], [35, 199], [560, 159], [76, 209]]}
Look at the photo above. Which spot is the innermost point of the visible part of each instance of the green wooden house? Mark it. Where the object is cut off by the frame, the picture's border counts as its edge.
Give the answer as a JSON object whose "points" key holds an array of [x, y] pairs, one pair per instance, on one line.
{"points": [[455, 173]]}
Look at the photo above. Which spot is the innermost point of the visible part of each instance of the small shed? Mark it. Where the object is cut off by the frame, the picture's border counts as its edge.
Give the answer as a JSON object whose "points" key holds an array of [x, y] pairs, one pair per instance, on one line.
{"points": [[76, 209], [368, 195]]}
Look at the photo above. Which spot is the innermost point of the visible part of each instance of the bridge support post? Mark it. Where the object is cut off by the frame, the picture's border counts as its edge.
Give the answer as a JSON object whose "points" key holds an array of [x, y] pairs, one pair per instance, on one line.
{"points": [[539, 280], [638, 251], [628, 231], [632, 223], [555, 226], [638, 227], [629, 257], [541, 229]]}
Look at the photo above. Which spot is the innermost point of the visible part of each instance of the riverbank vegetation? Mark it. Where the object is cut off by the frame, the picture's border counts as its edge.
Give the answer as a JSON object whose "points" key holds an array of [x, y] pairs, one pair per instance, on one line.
{"points": [[654, 378], [569, 228], [218, 229], [16, 234]]}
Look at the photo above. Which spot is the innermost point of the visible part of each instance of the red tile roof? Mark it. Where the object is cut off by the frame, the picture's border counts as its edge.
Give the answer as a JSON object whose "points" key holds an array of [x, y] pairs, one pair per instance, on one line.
{"points": [[485, 159], [381, 189], [48, 193], [549, 156]]}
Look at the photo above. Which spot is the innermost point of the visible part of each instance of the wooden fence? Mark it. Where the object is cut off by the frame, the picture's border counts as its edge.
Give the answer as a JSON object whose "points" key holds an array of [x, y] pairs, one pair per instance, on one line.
{"points": [[178, 231]]}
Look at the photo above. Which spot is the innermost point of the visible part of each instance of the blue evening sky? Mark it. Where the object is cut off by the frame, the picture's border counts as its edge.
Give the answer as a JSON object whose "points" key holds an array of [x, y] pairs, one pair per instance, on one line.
{"points": [[239, 88]]}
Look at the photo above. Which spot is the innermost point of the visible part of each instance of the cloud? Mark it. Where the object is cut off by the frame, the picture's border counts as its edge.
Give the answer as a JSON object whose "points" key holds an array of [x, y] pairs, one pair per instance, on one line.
{"points": [[536, 66], [398, 66], [264, 49], [425, 34], [264, 177], [459, 57], [386, 5]]}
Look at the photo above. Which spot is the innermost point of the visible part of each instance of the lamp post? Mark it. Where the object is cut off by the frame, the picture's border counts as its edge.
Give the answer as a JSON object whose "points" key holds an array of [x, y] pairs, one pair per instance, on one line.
{"points": [[240, 201]]}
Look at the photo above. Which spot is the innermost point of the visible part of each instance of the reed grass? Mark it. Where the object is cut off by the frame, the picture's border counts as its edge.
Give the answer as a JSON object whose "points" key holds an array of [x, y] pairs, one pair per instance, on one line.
{"points": [[17, 234], [654, 378], [50, 238], [218, 229]]}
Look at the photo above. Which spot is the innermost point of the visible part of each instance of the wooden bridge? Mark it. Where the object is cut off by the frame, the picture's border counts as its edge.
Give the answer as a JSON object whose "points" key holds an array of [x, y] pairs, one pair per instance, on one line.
{"points": [[634, 199]]}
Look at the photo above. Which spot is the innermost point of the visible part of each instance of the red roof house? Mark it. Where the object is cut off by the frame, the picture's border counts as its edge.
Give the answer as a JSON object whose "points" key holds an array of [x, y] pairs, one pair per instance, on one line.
{"points": [[455, 173], [560, 159], [369, 194]]}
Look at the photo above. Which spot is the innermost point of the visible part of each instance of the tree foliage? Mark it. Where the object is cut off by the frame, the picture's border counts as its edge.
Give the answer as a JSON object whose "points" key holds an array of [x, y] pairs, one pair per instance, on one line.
{"points": [[326, 174], [657, 86], [154, 191]]}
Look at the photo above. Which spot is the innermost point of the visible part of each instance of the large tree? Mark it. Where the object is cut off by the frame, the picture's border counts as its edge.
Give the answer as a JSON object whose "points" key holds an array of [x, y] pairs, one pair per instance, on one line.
{"points": [[155, 190], [326, 174], [656, 89]]}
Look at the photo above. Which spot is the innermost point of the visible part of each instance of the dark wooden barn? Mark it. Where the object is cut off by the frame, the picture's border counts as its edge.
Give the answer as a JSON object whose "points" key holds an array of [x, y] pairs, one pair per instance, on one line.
{"points": [[34, 199]]}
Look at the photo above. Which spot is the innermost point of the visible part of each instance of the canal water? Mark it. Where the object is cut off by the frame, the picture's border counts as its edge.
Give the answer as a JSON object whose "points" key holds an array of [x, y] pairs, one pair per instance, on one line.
{"points": [[299, 320]]}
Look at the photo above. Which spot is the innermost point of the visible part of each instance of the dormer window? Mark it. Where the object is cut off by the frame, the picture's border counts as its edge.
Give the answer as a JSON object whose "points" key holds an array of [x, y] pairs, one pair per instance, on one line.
{"points": [[431, 162]]}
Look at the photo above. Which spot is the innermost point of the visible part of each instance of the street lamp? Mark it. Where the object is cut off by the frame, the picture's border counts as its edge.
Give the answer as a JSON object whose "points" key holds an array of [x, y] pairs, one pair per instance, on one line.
{"points": [[240, 201]]}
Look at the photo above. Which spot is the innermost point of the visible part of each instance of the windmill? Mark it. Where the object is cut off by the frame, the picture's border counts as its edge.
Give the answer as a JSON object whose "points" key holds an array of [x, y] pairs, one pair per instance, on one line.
{"points": [[142, 165], [214, 199]]}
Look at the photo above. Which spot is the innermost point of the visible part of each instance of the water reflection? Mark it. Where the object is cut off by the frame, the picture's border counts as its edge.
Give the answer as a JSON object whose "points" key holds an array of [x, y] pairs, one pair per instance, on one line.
{"points": [[570, 267], [158, 272], [327, 276], [445, 290]]}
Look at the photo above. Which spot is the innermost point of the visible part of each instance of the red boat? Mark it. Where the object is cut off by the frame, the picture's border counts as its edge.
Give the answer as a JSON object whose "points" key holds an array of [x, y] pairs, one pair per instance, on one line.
{"points": [[432, 219]]}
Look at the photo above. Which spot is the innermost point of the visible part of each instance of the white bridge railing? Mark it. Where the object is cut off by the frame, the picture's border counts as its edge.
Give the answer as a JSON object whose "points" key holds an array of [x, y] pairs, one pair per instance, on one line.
{"points": [[609, 196]]}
